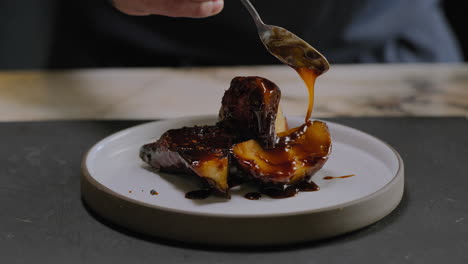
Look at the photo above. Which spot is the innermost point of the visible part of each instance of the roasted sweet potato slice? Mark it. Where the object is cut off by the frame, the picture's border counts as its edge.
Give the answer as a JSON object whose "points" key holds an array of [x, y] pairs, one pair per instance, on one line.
{"points": [[299, 153], [201, 150]]}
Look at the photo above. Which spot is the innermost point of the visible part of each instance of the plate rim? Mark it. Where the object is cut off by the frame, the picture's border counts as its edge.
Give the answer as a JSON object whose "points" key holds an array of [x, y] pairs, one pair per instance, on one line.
{"points": [[86, 175]]}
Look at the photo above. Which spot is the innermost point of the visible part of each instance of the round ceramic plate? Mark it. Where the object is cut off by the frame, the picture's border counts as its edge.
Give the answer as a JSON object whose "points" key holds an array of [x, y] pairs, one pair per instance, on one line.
{"points": [[121, 188]]}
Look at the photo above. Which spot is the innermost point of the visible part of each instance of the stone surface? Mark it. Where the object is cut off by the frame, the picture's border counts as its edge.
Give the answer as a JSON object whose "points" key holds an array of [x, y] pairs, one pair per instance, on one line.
{"points": [[346, 90]]}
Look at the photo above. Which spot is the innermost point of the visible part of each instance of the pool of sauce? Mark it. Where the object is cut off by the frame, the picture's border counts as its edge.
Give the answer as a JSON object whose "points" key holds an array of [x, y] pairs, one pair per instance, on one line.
{"points": [[253, 195], [280, 193], [338, 177], [309, 186], [198, 194], [234, 181], [290, 191]]}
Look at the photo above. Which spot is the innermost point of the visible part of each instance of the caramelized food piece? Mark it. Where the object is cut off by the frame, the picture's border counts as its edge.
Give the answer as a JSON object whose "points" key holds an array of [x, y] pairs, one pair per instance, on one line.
{"points": [[201, 150], [250, 107], [281, 124], [298, 154], [251, 141]]}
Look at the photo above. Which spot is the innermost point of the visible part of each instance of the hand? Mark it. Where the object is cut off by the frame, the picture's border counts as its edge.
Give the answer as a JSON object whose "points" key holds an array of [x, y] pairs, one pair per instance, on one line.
{"points": [[172, 8]]}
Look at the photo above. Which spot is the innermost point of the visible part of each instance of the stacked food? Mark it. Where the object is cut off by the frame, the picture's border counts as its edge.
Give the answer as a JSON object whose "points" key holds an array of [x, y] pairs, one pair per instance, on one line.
{"points": [[251, 142]]}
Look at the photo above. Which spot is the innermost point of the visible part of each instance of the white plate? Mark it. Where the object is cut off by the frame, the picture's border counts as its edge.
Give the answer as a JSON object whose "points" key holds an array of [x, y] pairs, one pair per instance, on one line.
{"points": [[117, 185]]}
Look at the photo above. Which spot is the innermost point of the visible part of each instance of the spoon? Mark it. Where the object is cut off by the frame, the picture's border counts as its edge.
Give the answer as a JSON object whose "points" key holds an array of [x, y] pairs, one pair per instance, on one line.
{"points": [[287, 47]]}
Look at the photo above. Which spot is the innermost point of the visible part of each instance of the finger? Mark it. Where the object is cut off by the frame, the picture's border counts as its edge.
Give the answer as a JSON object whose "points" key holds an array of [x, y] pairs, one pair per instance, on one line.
{"points": [[172, 8], [129, 7], [187, 8]]}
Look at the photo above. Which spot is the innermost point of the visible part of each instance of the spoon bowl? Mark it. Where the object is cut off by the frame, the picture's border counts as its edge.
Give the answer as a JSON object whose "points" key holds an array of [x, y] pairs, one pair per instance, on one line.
{"points": [[286, 46]]}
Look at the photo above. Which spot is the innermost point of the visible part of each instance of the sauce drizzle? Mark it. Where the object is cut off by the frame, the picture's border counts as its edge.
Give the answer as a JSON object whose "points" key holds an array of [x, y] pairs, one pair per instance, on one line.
{"points": [[308, 76], [305, 63], [338, 177]]}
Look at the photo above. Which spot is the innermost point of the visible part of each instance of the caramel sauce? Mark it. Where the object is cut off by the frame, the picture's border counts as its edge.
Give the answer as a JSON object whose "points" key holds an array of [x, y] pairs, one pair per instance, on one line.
{"points": [[307, 186], [292, 152], [202, 143], [292, 141], [234, 181], [290, 191], [298, 152], [298, 54], [253, 195], [198, 194], [280, 193], [338, 177], [302, 148], [293, 51], [308, 76]]}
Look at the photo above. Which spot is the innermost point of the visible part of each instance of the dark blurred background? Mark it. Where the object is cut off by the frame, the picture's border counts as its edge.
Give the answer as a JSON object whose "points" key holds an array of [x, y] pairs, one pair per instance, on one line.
{"points": [[456, 13], [27, 30]]}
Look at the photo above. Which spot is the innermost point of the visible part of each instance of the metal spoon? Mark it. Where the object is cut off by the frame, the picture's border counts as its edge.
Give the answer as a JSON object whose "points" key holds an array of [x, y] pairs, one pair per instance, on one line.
{"points": [[287, 47]]}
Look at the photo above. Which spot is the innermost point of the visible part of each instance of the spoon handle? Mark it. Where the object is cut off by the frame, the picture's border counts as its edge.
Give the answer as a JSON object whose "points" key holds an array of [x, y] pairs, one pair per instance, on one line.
{"points": [[256, 17]]}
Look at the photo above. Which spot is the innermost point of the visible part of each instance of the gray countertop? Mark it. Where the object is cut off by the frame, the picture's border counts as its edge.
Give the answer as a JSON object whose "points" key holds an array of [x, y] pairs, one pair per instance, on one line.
{"points": [[43, 219]]}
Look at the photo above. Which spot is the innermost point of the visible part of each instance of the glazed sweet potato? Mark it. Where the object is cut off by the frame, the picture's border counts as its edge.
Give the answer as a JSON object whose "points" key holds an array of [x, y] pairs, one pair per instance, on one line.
{"points": [[298, 154], [202, 151]]}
